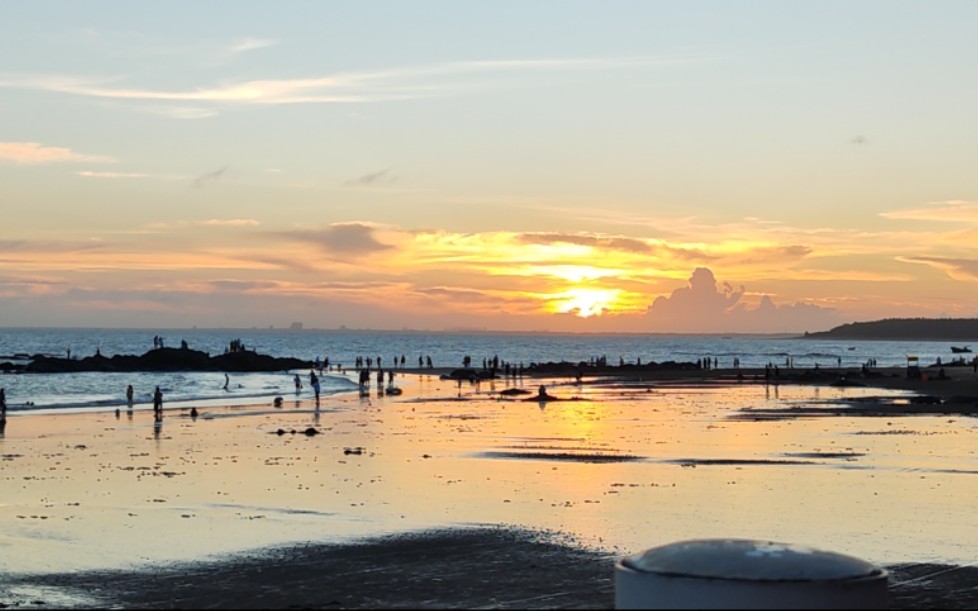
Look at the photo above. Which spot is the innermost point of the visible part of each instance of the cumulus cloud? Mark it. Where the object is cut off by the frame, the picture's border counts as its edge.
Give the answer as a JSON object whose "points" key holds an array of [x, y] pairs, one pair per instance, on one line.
{"points": [[705, 307], [33, 153], [699, 301]]}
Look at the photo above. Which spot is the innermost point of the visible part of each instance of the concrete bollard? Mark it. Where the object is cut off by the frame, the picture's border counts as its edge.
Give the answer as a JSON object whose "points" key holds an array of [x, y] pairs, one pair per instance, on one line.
{"points": [[744, 574]]}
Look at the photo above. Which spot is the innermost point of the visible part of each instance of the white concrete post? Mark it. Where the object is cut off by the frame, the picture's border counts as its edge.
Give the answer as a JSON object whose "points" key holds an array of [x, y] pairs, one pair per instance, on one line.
{"points": [[744, 574]]}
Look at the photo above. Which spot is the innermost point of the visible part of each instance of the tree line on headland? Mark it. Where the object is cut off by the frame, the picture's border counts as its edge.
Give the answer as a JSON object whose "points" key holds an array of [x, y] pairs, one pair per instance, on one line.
{"points": [[923, 329]]}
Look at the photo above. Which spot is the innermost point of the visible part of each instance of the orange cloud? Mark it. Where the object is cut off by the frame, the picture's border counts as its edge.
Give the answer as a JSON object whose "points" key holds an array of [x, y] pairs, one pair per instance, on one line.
{"points": [[33, 153]]}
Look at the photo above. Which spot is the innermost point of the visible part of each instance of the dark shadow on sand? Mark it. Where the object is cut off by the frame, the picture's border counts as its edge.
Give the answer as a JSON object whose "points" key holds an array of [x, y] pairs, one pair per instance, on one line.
{"points": [[587, 457], [487, 567]]}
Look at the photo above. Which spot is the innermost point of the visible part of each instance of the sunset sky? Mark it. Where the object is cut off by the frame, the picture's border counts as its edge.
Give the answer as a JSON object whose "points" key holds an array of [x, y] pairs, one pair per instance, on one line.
{"points": [[554, 166]]}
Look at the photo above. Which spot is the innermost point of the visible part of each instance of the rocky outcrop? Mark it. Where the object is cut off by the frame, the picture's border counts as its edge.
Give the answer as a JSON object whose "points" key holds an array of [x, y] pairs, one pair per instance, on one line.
{"points": [[565, 368], [166, 359]]}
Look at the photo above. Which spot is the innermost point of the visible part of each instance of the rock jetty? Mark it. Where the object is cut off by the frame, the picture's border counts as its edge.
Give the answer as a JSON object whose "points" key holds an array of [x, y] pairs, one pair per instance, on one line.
{"points": [[162, 359]]}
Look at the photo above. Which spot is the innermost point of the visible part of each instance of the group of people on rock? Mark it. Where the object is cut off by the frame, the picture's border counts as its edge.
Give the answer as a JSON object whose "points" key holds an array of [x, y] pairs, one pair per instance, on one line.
{"points": [[236, 345]]}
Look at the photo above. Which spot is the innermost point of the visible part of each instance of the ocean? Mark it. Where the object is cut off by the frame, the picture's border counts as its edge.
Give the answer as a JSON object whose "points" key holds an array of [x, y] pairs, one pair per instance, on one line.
{"points": [[100, 391]]}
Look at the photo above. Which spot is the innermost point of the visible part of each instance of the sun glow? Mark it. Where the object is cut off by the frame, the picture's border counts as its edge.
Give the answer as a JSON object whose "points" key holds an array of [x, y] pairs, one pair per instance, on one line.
{"points": [[585, 302], [570, 273]]}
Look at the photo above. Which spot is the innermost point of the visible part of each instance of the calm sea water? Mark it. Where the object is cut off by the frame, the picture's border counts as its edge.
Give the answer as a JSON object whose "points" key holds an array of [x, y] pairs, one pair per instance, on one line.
{"points": [[107, 390]]}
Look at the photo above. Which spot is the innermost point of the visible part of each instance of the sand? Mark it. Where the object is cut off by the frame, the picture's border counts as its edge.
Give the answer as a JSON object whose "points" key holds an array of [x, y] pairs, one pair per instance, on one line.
{"points": [[239, 508]]}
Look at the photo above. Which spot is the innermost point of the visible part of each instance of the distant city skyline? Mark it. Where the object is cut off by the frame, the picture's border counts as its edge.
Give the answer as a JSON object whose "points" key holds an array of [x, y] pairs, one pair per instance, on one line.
{"points": [[668, 167]]}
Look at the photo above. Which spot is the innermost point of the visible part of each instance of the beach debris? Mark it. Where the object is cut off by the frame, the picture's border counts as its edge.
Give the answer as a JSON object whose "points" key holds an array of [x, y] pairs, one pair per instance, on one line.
{"points": [[356, 451]]}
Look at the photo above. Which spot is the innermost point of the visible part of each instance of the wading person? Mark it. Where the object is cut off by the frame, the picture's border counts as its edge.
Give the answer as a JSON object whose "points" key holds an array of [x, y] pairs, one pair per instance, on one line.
{"points": [[158, 403]]}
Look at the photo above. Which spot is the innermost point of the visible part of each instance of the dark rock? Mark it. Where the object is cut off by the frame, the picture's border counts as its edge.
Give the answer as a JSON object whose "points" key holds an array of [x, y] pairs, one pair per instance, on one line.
{"points": [[168, 359]]}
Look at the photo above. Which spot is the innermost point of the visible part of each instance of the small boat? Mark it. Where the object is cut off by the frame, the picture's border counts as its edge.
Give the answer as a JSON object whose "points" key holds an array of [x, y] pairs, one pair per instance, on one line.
{"points": [[960, 349]]}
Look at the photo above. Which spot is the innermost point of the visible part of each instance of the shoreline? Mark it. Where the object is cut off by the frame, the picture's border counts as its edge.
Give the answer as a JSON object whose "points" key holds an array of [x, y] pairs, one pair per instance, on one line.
{"points": [[959, 388]]}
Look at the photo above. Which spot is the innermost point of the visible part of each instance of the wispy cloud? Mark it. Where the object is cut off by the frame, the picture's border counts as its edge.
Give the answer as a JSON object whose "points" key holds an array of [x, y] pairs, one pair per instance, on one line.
{"points": [[181, 225], [250, 44], [220, 54], [91, 174], [230, 222], [34, 153], [449, 78], [951, 211], [343, 238], [609, 242], [182, 112], [210, 177], [291, 91], [958, 269], [373, 179]]}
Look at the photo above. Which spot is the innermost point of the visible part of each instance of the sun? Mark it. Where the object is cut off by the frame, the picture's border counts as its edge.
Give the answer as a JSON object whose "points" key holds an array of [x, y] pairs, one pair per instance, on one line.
{"points": [[585, 302]]}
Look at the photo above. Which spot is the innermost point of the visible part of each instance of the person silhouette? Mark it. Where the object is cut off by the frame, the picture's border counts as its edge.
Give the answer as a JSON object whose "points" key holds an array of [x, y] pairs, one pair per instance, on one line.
{"points": [[158, 402], [314, 381], [542, 394]]}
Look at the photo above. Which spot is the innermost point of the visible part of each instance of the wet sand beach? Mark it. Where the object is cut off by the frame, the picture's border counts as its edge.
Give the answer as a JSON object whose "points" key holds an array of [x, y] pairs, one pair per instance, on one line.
{"points": [[451, 496]]}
